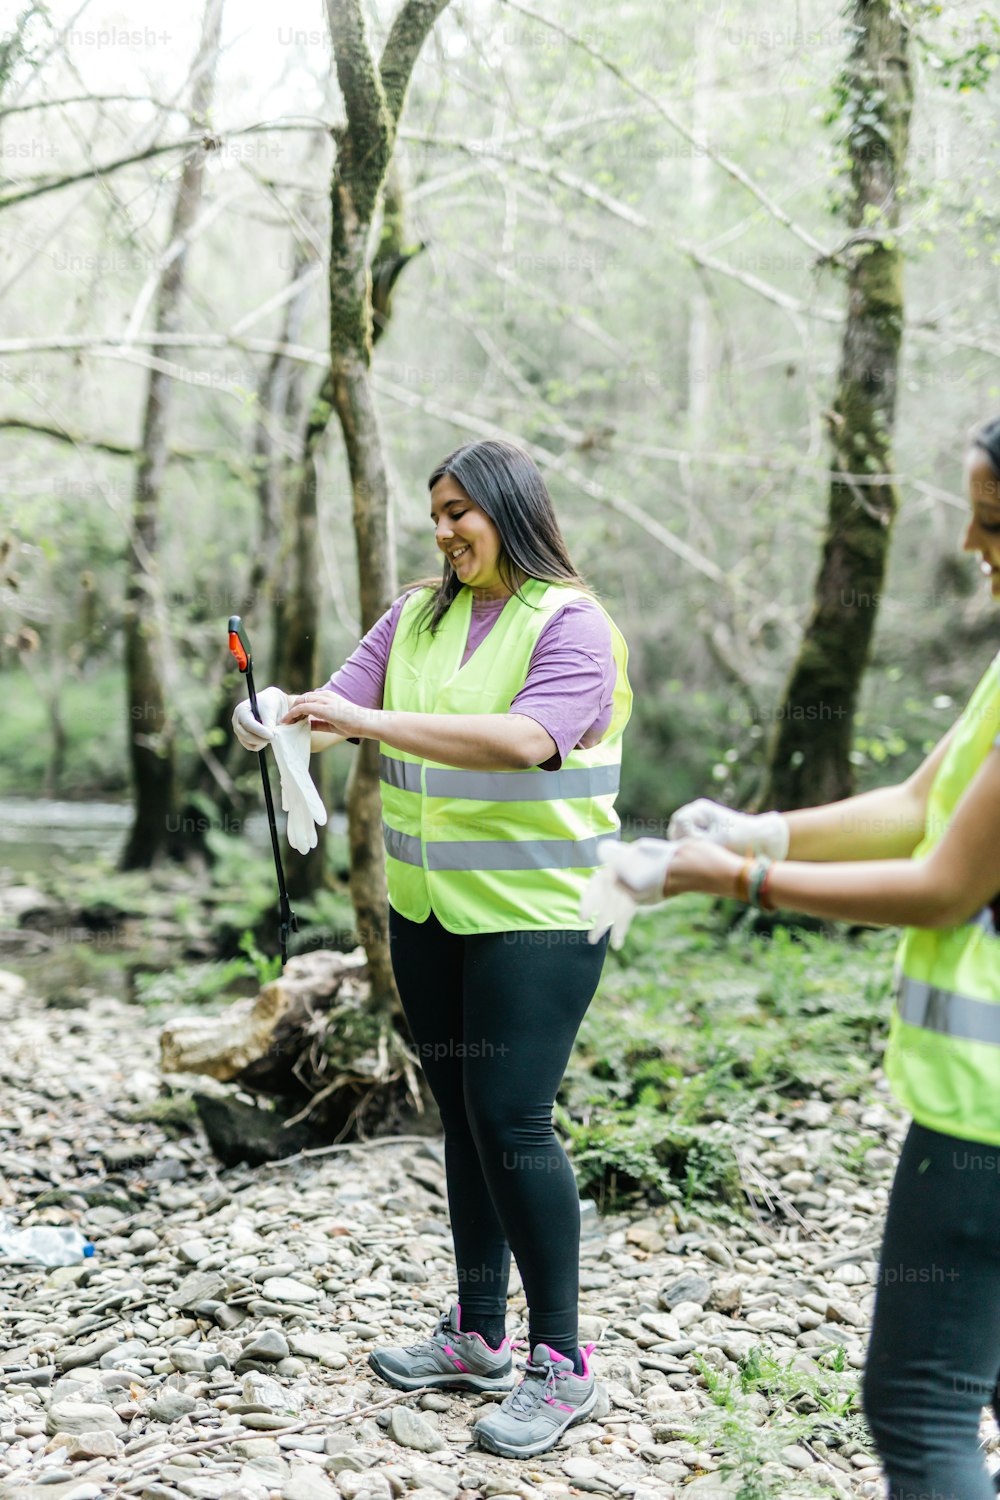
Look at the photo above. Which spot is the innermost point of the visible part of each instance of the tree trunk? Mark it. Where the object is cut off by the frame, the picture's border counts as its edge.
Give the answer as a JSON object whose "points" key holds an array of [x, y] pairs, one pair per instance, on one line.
{"points": [[809, 754], [297, 615], [151, 740], [374, 94]]}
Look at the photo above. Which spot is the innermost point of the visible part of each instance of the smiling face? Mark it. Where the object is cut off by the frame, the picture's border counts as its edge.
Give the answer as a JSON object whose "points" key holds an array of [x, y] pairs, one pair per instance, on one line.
{"points": [[983, 533], [467, 537]]}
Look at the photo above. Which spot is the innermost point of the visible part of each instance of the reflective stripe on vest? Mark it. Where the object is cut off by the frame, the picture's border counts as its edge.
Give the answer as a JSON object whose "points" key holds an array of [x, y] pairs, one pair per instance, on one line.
{"points": [[942, 1058], [492, 850], [501, 786], [946, 1011], [494, 854]]}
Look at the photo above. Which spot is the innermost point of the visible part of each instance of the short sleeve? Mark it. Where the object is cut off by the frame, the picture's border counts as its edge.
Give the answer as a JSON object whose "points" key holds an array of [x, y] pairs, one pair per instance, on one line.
{"points": [[571, 679], [361, 680]]}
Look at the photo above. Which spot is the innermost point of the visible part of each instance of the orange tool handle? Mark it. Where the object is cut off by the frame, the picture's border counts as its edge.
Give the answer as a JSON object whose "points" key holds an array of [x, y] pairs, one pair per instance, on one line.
{"points": [[238, 644]]}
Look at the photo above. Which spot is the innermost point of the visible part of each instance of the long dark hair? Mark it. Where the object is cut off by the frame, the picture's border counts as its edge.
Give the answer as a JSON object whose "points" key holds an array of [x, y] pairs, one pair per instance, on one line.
{"points": [[507, 485], [987, 439]]}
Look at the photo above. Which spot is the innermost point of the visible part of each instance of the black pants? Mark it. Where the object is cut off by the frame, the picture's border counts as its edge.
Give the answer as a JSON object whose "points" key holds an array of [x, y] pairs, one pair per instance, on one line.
{"points": [[493, 1018], [935, 1346]]}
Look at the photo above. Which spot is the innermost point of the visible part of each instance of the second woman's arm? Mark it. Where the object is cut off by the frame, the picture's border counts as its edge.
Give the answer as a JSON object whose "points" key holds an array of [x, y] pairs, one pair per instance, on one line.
{"points": [[887, 823]]}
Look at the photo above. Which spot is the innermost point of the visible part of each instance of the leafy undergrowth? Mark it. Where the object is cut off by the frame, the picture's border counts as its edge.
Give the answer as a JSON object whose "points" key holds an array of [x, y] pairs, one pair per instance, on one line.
{"points": [[771, 1404], [696, 1031]]}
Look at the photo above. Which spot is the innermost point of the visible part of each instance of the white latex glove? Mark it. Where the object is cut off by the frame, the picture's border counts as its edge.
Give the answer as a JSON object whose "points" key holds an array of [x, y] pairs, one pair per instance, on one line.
{"points": [[299, 797], [250, 732], [291, 746], [743, 833], [605, 904], [631, 875]]}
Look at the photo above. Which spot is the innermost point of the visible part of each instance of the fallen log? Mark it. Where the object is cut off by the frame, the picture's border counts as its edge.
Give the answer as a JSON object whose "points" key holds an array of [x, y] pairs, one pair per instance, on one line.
{"points": [[329, 1065], [262, 1036]]}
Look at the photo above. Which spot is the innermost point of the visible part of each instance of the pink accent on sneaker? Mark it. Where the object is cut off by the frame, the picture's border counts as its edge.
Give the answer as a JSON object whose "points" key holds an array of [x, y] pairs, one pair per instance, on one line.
{"points": [[561, 1404], [585, 1352], [473, 1335], [486, 1345], [556, 1355], [455, 1359]]}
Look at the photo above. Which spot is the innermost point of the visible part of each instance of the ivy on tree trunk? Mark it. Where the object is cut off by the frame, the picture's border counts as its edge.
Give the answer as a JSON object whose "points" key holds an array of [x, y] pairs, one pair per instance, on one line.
{"points": [[809, 756], [374, 93]]}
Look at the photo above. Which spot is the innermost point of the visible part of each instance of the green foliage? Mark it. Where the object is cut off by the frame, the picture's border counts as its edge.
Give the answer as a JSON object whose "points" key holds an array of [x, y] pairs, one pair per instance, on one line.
{"points": [[694, 1030], [328, 919], [809, 1399], [191, 984], [263, 967], [965, 58], [21, 44], [94, 761]]}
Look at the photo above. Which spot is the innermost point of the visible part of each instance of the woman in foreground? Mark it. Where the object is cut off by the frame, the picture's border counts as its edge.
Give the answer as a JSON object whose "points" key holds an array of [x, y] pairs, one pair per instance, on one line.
{"points": [[925, 856]]}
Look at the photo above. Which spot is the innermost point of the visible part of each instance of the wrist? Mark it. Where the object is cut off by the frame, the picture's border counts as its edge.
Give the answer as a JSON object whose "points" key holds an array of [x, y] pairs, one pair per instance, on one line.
{"points": [[372, 723], [723, 876], [773, 835]]}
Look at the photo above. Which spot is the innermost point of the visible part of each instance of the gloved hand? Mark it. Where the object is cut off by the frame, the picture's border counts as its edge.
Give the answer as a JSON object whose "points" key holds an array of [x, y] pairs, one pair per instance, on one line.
{"points": [[631, 875], [743, 833], [291, 746], [250, 732]]}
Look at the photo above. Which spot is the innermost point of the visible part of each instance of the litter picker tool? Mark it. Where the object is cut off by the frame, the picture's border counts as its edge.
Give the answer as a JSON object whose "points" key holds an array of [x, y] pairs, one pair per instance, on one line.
{"points": [[239, 645]]}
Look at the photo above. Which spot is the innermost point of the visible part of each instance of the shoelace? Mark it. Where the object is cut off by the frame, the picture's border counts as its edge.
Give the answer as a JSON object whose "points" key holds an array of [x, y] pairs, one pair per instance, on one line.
{"points": [[528, 1393], [427, 1346]]}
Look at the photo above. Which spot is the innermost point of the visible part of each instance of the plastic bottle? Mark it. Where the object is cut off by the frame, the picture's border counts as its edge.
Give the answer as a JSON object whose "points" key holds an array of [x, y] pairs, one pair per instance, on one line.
{"points": [[43, 1244]]}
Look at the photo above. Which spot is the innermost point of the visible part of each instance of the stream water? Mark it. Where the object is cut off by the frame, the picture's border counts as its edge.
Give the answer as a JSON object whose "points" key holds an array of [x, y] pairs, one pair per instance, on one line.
{"points": [[39, 835], [35, 831]]}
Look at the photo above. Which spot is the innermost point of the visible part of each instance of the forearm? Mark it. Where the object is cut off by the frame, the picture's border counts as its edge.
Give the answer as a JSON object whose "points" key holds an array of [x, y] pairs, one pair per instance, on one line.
{"points": [[318, 740], [885, 824], [880, 893], [472, 742]]}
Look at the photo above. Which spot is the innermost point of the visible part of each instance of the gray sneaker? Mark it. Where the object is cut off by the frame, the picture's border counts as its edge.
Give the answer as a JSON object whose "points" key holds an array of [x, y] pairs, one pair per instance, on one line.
{"points": [[549, 1399], [449, 1359]]}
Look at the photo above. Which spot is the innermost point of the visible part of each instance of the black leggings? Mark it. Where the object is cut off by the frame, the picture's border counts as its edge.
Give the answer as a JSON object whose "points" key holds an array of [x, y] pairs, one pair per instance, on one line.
{"points": [[935, 1346], [493, 1018]]}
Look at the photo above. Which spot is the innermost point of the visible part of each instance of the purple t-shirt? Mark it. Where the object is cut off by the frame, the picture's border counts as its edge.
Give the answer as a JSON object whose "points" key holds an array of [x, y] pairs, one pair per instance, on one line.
{"points": [[570, 682]]}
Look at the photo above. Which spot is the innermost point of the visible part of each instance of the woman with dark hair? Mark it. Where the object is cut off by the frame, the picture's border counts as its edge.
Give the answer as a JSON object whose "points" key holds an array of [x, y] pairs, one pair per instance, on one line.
{"points": [[499, 698], [925, 856]]}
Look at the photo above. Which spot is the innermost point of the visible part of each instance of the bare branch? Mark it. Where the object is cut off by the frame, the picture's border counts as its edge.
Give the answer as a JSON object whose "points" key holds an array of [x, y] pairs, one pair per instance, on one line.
{"points": [[199, 140], [699, 142], [547, 169], [51, 185], [119, 450], [556, 464], [20, 109]]}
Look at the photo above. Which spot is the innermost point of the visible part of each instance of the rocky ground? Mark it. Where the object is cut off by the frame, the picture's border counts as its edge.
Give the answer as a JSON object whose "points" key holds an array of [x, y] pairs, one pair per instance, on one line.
{"points": [[216, 1343]]}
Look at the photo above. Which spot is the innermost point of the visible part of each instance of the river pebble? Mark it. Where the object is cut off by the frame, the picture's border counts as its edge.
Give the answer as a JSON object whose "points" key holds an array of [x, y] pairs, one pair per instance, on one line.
{"points": [[217, 1343]]}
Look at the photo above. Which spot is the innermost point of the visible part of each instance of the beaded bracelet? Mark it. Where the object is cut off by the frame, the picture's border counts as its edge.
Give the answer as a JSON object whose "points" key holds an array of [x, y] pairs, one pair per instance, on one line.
{"points": [[763, 899], [743, 880], [758, 876]]}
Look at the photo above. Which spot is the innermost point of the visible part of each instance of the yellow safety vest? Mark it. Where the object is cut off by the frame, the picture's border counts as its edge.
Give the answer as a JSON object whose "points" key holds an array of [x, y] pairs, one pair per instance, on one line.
{"points": [[492, 851], [943, 1057]]}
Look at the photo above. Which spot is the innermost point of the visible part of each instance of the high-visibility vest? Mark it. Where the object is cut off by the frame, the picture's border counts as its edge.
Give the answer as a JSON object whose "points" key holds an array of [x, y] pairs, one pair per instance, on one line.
{"points": [[492, 851], [943, 1056]]}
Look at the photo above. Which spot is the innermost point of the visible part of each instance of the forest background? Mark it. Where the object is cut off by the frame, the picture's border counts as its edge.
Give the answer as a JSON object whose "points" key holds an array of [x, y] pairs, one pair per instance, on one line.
{"points": [[594, 282]]}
